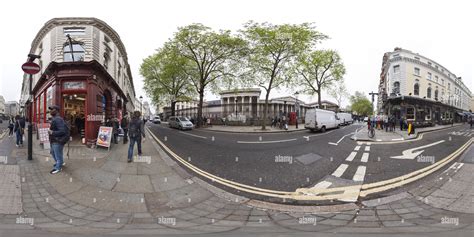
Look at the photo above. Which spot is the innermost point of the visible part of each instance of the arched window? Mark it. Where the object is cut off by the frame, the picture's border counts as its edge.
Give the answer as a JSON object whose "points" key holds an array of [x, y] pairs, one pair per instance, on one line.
{"points": [[416, 89], [436, 94], [396, 88], [77, 51], [428, 92]]}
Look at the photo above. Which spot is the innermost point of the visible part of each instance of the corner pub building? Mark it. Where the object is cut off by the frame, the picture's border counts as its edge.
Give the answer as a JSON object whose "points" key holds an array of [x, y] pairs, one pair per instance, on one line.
{"points": [[87, 75]]}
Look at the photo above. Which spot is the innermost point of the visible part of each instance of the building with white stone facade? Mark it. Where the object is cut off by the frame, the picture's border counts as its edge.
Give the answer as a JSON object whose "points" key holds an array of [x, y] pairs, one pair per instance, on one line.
{"points": [[417, 88], [84, 70], [2, 105]]}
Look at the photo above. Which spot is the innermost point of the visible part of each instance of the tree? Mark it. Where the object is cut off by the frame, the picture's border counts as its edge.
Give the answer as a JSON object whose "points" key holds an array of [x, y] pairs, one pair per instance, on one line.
{"points": [[339, 92], [318, 70], [273, 50], [165, 81], [212, 56], [361, 104]]}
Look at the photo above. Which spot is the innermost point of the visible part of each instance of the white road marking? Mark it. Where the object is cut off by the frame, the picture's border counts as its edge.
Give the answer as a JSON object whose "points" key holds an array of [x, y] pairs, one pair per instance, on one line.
{"points": [[365, 157], [367, 148], [276, 141], [398, 139], [190, 134], [412, 153], [351, 156], [360, 174], [340, 170], [357, 148], [323, 184], [337, 143], [332, 143]]}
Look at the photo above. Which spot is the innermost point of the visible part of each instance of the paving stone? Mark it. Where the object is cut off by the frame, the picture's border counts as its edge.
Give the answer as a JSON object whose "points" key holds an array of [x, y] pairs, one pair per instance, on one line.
{"points": [[333, 222], [396, 223], [409, 216]]}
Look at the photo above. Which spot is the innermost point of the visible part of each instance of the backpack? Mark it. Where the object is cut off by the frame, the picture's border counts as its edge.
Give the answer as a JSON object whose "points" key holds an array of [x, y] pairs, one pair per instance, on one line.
{"points": [[66, 137], [134, 130]]}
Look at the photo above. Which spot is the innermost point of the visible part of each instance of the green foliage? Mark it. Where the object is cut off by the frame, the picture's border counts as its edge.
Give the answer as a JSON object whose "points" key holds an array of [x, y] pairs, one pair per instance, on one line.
{"points": [[361, 105], [318, 70], [273, 50], [164, 78]]}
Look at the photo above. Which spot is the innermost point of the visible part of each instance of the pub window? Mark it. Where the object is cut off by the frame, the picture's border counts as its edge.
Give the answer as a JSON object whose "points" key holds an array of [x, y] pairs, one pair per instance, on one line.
{"points": [[410, 112], [396, 88], [76, 51]]}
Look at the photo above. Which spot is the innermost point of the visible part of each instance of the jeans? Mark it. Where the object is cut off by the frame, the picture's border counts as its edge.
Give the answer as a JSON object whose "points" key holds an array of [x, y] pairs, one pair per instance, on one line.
{"points": [[138, 140], [19, 137], [57, 152]]}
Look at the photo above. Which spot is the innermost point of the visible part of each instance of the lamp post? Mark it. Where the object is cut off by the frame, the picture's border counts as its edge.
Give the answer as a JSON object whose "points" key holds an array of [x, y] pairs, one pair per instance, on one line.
{"points": [[236, 106], [31, 58], [141, 98], [297, 109]]}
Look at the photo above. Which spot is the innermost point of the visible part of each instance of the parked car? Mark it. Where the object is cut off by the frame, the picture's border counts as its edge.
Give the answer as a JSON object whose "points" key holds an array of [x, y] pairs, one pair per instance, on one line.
{"points": [[366, 119], [345, 118], [156, 120], [180, 122], [320, 120]]}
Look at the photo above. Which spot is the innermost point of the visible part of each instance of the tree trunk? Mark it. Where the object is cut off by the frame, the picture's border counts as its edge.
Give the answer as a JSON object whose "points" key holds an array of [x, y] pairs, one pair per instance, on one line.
{"points": [[265, 111], [199, 115], [319, 97], [173, 105]]}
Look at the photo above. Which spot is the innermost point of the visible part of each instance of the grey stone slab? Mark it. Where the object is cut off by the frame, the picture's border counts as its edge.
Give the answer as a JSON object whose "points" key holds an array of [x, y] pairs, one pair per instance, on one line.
{"points": [[134, 184], [309, 158], [166, 183], [10, 190], [396, 223], [97, 177]]}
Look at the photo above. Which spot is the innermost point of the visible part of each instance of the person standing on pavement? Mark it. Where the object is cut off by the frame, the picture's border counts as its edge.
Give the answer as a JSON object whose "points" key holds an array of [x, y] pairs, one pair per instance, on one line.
{"points": [[124, 125], [135, 132], [19, 130], [10, 127], [58, 136]]}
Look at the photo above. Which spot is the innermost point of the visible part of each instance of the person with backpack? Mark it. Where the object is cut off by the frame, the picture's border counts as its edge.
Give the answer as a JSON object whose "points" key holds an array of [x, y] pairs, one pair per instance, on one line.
{"points": [[135, 133], [19, 130], [58, 137]]}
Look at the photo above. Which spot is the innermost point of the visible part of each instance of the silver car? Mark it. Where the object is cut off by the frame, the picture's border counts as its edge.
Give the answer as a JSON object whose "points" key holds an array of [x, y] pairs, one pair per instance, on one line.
{"points": [[181, 123]]}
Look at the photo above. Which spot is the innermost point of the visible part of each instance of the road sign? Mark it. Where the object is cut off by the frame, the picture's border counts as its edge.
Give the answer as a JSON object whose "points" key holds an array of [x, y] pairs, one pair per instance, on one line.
{"points": [[30, 68]]}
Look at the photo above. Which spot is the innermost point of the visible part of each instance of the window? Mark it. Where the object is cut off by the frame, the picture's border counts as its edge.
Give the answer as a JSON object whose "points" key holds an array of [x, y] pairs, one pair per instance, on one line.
{"points": [[76, 54], [396, 69], [428, 92], [416, 89], [417, 58], [449, 86], [74, 31], [410, 112], [396, 88], [442, 82], [436, 94], [429, 76], [396, 55], [417, 71], [436, 79], [429, 63]]}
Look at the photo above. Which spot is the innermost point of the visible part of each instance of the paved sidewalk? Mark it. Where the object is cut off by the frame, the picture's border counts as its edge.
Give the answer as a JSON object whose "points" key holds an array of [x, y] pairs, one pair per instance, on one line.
{"points": [[383, 136], [154, 195], [253, 129]]}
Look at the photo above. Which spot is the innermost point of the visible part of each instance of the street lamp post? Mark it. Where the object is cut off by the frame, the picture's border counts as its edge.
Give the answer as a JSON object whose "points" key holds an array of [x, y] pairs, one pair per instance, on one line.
{"points": [[31, 58], [141, 98], [297, 110], [236, 107]]}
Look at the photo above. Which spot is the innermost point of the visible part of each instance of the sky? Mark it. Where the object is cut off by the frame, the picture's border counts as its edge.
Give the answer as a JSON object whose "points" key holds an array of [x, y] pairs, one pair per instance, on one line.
{"points": [[361, 31]]}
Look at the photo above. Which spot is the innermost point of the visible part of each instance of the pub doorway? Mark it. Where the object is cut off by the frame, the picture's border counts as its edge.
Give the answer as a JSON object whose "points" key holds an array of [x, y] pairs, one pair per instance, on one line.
{"points": [[74, 111]]}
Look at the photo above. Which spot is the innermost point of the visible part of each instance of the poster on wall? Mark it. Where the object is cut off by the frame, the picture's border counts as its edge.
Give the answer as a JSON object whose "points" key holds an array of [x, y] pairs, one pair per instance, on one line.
{"points": [[43, 134], [104, 136]]}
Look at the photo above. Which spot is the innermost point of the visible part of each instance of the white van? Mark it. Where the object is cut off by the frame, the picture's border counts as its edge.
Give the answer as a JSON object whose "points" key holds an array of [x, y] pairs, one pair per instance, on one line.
{"points": [[320, 119], [344, 118]]}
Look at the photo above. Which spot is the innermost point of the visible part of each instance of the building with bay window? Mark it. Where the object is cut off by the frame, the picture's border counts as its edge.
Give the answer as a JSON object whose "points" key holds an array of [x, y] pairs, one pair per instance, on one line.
{"points": [[84, 70], [417, 88]]}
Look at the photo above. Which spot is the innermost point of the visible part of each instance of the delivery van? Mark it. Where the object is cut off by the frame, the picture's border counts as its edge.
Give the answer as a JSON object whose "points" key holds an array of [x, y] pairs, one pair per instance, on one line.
{"points": [[320, 120], [344, 118]]}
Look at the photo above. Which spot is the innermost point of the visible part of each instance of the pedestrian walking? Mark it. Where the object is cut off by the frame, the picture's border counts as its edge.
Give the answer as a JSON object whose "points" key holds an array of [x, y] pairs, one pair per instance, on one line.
{"points": [[19, 129], [135, 131], [471, 121], [11, 125], [124, 125], [385, 122], [58, 136]]}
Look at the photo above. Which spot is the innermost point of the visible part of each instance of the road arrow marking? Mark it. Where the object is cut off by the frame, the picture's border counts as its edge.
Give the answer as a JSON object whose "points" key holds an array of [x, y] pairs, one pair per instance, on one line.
{"points": [[410, 154]]}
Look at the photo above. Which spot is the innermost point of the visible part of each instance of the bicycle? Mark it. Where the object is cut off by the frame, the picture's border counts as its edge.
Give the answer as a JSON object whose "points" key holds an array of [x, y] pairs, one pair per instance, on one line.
{"points": [[371, 132]]}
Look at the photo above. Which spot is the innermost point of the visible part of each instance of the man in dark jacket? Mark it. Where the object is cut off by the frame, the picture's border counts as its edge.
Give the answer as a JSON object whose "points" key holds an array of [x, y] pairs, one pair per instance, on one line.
{"points": [[135, 132], [19, 130], [124, 125], [58, 136]]}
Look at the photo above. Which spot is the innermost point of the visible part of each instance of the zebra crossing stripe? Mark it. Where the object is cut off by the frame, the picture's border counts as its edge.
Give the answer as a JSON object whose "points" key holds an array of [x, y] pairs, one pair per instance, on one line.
{"points": [[367, 148], [351, 156], [360, 173], [323, 184], [365, 157], [340, 170], [357, 148]]}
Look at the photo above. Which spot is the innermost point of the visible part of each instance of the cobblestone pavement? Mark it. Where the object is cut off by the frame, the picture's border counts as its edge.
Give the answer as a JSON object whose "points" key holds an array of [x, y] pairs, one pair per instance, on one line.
{"points": [[153, 195]]}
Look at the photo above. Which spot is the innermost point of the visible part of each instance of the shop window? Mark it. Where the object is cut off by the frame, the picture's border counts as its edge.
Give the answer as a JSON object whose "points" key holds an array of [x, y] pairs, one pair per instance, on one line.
{"points": [[428, 114], [416, 89], [74, 53]]}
